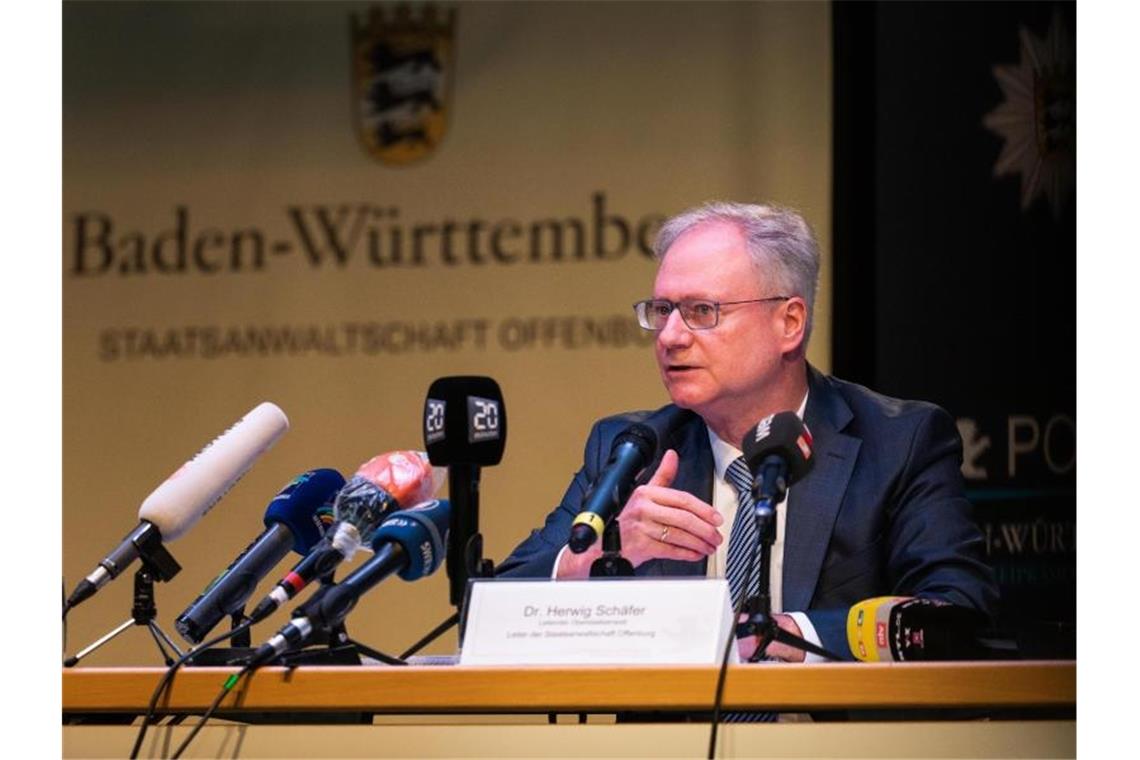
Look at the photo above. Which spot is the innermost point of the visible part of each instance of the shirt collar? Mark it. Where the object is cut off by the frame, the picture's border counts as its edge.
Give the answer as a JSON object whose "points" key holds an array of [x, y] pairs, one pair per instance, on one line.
{"points": [[725, 453]]}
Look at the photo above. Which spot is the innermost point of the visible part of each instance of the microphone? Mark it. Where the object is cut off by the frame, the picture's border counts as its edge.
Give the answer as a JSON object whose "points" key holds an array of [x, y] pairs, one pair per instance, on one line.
{"points": [[906, 629], [410, 543], [778, 452], [465, 429], [632, 450], [465, 421], [380, 486], [295, 519], [176, 505]]}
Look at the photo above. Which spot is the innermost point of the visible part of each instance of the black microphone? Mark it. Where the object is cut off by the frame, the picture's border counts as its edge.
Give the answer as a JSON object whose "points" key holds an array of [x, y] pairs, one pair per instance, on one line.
{"points": [[632, 450], [410, 542], [295, 519], [906, 629], [465, 429], [778, 452], [465, 421]]}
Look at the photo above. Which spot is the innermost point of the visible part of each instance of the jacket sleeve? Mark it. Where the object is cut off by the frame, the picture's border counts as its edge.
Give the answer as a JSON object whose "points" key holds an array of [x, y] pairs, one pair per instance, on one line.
{"points": [[534, 557], [932, 545]]}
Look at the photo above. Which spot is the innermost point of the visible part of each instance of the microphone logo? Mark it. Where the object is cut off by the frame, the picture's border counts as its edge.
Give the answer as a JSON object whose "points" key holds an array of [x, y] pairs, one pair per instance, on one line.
{"points": [[804, 443], [324, 518], [433, 420], [482, 418], [764, 428]]}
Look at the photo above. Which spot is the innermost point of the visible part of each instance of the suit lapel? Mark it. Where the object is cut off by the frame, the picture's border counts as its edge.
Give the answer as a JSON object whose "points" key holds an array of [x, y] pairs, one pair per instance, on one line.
{"points": [[695, 471], [695, 475], [813, 503]]}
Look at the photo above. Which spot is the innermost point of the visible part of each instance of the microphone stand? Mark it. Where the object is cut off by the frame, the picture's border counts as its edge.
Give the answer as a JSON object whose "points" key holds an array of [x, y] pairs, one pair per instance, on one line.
{"points": [[331, 644], [611, 564], [239, 650], [759, 606], [157, 565], [242, 638], [464, 542], [339, 633]]}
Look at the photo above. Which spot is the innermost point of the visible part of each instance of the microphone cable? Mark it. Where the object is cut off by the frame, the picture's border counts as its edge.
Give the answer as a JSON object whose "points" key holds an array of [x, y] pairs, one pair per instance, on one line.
{"points": [[168, 678], [387, 561], [228, 686], [723, 672], [64, 623]]}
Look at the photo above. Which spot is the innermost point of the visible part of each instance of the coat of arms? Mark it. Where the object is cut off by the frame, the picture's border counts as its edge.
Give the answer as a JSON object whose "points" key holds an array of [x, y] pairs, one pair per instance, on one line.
{"points": [[402, 64]]}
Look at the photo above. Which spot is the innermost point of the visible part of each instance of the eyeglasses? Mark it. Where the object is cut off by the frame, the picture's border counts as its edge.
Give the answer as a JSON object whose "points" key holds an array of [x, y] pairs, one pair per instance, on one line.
{"points": [[652, 314]]}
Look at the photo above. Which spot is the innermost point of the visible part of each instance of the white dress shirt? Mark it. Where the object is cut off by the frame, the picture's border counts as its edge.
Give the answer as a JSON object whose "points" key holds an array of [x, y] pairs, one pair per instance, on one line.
{"points": [[724, 500]]}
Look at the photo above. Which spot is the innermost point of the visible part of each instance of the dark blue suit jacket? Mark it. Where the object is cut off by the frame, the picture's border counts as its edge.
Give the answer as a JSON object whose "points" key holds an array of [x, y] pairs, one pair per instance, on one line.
{"points": [[881, 512]]}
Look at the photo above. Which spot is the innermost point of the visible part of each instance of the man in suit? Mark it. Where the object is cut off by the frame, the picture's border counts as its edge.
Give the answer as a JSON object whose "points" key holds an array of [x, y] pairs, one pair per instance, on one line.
{"points": [[881, 512]]}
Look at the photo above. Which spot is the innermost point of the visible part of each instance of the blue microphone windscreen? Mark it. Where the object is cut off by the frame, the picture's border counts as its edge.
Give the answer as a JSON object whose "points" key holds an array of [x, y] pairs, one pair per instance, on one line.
{"points": [[299, 506], [422, 532]]}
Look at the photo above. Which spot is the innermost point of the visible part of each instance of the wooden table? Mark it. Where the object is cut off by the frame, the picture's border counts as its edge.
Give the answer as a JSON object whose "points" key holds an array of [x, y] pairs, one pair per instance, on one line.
{"points": [[451, 711], [436, 689]]}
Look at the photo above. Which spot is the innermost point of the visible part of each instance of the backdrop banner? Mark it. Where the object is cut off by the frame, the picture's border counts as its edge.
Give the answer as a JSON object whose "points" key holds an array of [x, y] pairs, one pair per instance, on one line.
{"points": [[955, 263], [329, 205]]}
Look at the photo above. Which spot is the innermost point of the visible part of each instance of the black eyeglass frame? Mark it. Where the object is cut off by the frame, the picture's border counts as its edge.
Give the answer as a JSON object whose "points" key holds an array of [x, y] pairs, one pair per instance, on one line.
{"points": [[641, 310]]}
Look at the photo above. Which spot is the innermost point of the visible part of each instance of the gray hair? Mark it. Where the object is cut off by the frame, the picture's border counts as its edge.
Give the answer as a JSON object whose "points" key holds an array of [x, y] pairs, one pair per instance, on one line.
{"points": [[780, 242]]}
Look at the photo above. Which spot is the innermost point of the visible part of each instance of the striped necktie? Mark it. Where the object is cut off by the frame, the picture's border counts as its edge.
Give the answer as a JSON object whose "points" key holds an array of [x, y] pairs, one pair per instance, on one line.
{"points": [[743, 541]]}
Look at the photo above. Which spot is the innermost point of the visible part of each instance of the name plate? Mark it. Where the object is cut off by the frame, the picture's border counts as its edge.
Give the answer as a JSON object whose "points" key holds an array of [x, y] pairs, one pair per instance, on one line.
{"points": [[667, 621]]}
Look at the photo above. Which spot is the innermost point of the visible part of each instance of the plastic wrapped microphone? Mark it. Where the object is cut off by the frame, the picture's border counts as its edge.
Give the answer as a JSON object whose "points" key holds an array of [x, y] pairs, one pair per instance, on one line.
{"points": [[410, 543], [380, 486]]}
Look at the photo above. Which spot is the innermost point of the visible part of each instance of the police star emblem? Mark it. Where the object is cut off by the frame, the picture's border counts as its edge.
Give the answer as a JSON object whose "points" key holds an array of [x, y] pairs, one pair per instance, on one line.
{"points": [[402, 74], [1038, 116]]}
